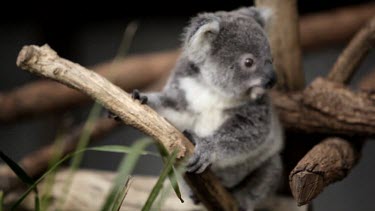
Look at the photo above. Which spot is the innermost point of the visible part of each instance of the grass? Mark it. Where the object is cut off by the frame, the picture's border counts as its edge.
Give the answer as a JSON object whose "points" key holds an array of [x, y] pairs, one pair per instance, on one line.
{"points": [[159, 184]]}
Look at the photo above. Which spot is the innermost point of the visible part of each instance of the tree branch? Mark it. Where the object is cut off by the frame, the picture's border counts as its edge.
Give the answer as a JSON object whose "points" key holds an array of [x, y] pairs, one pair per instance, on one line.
{"points": [[353, 54], [316, 29], [43, 97], [44, 61], [315, 171], [284, 37]]}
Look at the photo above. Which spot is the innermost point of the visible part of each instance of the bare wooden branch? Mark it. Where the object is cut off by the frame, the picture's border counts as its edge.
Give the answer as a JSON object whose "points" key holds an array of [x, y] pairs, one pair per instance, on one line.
{"points": [[38, 161], [336, 26], [315, 171], [354, 53], [44, 61], [328, 108], [283, 35], [43, 97]]}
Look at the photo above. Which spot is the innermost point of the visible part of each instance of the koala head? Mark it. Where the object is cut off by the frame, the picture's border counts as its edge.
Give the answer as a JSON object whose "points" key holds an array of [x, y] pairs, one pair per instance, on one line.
{"points": [[232, 51]]}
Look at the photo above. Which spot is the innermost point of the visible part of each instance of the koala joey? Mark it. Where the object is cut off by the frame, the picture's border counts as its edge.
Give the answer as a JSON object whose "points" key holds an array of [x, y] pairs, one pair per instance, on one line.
{"points": [[217, 95]]}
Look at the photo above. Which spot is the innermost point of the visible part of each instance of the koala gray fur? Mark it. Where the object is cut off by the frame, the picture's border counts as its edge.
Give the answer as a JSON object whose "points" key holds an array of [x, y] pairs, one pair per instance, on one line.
{"points": [[217, 93]]}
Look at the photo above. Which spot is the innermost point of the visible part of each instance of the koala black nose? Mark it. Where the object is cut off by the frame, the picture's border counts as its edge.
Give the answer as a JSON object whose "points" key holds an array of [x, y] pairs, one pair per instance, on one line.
{"points": [[270, 76]]}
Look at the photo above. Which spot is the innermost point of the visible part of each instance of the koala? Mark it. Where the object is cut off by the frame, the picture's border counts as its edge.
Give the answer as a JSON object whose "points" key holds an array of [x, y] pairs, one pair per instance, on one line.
{"points": [[217, 95]]}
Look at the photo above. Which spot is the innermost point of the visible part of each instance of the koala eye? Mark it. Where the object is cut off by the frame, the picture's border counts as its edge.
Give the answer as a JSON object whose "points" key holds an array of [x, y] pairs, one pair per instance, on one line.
{"points": [[248, 62]]}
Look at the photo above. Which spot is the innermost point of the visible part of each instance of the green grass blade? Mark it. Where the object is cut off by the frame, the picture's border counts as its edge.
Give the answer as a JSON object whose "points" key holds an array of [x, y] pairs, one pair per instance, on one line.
{"points": [[119, 199], [1, 200], [57, 164], [119, 148], [82, 143], [126, 167], [50, 180], [22, 175], [172, 174], [159, 184]]}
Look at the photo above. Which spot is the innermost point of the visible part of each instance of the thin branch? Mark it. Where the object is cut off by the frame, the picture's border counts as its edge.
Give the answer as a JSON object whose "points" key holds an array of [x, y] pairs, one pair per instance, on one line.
{"points": [[353, 54], [332, 27], [44, 61]]}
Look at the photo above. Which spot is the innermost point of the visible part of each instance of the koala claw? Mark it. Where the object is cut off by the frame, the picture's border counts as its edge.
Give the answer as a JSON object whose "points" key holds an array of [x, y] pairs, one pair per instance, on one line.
{"points": [[198, 163], [189, 136], [137, 96], [113, 116]]}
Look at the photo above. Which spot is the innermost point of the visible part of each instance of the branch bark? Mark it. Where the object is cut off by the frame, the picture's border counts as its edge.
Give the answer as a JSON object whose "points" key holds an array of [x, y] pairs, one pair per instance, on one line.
{"points": [[38, 161], [44, 61], [43, 97], [354, 53], [315, 171], [328, 108], [284, 37]]}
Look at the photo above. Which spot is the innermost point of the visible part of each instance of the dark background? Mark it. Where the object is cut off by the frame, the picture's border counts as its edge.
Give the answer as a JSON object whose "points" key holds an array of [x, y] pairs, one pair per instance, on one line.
{"points": [[90, 34]]}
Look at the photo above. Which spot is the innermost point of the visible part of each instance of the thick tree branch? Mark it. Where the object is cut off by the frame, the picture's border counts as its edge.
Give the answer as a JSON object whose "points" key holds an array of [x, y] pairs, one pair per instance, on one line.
{"points": [[354, 53], [43, 97], [283, 35], [44, 61], [327, 162], [327, 108]]}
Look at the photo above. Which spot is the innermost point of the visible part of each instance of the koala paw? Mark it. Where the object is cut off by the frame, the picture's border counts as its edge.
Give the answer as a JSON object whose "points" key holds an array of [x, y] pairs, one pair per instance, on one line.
{"points": [[137, 96], [189, 136], [113, 116], [199, 161]]}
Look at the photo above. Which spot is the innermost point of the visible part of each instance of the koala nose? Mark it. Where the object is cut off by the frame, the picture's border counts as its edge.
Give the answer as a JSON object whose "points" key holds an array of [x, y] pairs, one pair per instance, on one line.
{"points": [[270, 76]]}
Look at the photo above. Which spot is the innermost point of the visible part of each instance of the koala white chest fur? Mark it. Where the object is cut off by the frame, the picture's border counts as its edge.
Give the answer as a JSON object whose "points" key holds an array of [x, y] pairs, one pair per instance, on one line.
{"points": [[217, 96]]}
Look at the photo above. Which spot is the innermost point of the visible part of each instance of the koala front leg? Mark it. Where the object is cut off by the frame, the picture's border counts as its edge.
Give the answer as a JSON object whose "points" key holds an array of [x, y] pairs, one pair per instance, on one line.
{"points": [[259, 184]]}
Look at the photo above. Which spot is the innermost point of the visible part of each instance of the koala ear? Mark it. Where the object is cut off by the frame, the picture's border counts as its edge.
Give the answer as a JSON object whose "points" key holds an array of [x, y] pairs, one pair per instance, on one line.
{"points": [[261, 15], [202, 30]]}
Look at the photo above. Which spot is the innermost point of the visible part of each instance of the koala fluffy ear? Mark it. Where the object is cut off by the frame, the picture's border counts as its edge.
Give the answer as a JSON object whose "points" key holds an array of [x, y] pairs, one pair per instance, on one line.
{"points": [[202, 30], [261, 15]]}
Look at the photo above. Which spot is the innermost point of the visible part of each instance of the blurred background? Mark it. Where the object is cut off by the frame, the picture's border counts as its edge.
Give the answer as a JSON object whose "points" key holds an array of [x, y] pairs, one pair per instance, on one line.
{"points": [[91, 35]]}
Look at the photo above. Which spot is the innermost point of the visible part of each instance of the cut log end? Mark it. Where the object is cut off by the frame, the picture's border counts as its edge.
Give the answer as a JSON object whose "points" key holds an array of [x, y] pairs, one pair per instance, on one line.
{"points": [[306, 186]]}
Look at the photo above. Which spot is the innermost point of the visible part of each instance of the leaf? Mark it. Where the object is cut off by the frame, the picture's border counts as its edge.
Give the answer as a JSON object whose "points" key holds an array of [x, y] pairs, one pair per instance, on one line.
{"points": [[22, 175], [119, 199], [159, 184], [172, 174], [126, 167], [57, 164]]}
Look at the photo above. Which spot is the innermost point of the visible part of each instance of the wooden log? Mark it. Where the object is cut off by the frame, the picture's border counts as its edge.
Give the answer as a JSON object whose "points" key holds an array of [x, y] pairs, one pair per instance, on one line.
{"points": [[44, 61], [283, 35], [90, 187], [327, 162]]}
